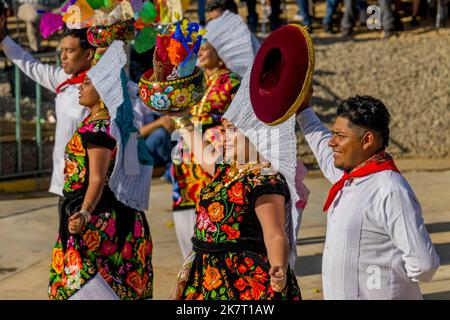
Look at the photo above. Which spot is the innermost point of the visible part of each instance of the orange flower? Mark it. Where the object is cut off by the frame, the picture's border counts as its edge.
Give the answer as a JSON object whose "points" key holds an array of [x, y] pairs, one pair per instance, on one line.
{"points": [[236, 194], [76, 146], [194, 296], [71, 168], [141, 252], [138, 283], [245, 295], [57, 260], [92, 239], [212, 278], [74, 262], [215, 211], [230, 231]]}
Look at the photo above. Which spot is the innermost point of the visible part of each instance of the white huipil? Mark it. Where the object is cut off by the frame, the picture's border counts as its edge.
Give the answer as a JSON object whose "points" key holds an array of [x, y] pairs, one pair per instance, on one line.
{"points": [[377, 246]]}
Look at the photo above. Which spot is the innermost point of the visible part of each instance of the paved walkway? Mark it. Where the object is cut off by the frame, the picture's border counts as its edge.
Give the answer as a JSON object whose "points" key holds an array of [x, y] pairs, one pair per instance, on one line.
{"points": [[28, 225]]}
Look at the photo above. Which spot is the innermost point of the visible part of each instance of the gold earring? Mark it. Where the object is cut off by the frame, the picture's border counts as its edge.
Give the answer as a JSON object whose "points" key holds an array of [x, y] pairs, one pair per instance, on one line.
{"points": [[102, 105]]}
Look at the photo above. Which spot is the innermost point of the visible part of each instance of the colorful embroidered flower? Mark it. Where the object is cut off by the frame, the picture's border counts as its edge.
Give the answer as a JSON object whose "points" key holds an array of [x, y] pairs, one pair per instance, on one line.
{"points": [[111, 227], [74, 262], [138, 283], [105, 274], [92, 239], [75, 146], [160, 101], [215, 211], [108, 248], [71, 168], [236, 194], [212, 278], [181, 97], [58, 260], [137, 230], [127, 251], [230, 231], [141, 253]]}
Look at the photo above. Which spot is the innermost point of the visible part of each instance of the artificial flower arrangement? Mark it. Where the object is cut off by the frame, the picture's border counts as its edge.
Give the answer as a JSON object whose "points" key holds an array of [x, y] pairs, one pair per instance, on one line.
{"points": [[174, 83]]}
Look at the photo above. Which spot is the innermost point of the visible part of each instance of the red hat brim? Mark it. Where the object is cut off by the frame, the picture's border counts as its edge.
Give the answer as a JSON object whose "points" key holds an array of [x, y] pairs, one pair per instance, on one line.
{"points": [[282, 74]]}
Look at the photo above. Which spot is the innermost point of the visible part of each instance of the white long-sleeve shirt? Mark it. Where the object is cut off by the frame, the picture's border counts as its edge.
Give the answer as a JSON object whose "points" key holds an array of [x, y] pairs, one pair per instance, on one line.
{"points": [[69, 113], [377, 246]]}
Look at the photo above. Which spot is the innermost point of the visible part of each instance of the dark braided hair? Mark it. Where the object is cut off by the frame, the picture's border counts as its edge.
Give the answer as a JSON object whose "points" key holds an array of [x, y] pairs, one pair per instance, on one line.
{"points": [[222, 5], [367, 112]]}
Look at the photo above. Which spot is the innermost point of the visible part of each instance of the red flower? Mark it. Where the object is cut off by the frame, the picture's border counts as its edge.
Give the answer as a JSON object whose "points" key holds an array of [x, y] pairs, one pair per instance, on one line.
{"points": [[108, 248], [240, 284], [230, 231], [257, 288], [245, 295], [127, 251], [248, 261], [242, 268], [229, 262], [74, 262], [236, 194], [260, 275]]}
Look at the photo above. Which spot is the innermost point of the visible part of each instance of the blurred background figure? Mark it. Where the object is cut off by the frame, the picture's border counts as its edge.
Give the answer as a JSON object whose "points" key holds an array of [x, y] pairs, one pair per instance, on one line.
{"points": [[27, 12]]}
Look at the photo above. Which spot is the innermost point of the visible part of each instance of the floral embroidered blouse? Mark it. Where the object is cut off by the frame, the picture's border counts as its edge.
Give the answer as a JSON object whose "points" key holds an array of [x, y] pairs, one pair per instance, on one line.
{"points": [[226, 214], [190, 178], [218, 96], [76, 177]]}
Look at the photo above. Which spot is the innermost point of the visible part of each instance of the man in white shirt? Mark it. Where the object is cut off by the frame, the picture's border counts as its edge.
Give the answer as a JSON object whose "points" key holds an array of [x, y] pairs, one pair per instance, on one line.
{"points": [[76, 57], [377, 246]]}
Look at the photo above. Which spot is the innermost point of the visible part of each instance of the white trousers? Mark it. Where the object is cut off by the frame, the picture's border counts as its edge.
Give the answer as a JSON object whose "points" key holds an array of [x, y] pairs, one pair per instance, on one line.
{"points": [[184, 221]]}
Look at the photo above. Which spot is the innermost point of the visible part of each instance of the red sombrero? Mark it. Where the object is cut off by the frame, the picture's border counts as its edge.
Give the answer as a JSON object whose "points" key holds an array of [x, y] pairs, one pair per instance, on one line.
{"points": [[282, 74]]}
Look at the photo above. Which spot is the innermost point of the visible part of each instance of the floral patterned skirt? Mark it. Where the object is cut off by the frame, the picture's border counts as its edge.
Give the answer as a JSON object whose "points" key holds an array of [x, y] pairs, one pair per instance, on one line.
{"points": [[125, 264], [235, 276]]}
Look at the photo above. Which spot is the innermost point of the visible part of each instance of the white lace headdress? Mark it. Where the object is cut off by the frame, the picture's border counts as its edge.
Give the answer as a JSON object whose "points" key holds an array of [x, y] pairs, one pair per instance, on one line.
{"points": [[130, 179], [232, 39], [278, 145]]}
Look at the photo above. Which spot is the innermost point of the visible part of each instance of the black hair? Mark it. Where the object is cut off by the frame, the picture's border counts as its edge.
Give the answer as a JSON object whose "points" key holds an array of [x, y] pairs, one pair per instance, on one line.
{"points": [[80, 34], [367, 112], [222, 5]]}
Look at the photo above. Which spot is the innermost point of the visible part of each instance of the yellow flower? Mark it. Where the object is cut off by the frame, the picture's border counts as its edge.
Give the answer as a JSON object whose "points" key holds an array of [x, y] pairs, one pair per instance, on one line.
{"points": [[181, 97]]}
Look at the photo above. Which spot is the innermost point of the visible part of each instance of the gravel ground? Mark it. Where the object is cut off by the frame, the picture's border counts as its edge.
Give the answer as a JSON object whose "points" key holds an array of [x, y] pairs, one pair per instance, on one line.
{"points": [[409, 73]]}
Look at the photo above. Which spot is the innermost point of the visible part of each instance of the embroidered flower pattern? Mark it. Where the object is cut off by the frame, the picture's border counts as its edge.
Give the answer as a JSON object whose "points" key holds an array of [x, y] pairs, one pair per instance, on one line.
{"points": [[222, 211]]}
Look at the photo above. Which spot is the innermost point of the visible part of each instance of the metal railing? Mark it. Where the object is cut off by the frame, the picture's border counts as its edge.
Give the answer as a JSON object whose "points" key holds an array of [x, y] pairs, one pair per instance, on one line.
{"points": [[19, 172]]}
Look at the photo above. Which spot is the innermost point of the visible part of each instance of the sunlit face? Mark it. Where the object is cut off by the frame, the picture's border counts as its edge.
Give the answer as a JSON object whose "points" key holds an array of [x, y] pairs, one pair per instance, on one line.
{"points": [[74, 58], [351, 144], [207, 57], [237, 147], [88, 95]]}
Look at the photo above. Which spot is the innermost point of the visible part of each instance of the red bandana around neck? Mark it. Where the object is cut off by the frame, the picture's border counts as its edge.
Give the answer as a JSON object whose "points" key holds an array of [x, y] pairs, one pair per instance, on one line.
{"points": [[379, 162], [74, 80]]}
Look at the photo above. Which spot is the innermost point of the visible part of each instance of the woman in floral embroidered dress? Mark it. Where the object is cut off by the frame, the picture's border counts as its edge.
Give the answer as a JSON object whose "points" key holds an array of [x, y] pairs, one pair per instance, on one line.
{"points": [[189, 178], [97, 233], [241, 249]]}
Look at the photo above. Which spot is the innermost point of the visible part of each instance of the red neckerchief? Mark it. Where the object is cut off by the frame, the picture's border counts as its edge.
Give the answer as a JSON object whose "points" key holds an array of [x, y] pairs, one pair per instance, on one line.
{"points": [[378, 162], [77, 79]]}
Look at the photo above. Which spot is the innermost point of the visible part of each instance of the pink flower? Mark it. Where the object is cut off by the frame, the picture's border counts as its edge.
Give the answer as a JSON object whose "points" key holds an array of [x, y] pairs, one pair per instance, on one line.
{"points": [[108, 248], [85, 128], [137, 229], [204, 222], [127, 251], [111, 227]]}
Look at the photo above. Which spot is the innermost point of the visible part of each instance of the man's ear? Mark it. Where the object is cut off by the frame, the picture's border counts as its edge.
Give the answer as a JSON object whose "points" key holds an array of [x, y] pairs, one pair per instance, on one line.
{"points": [[90, 53], [368, 140]]}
